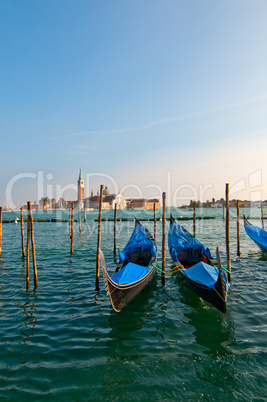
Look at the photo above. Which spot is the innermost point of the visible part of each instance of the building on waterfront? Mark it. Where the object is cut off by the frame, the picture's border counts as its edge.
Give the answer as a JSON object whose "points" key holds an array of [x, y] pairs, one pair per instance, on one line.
{"points": [[106, 191], [116, 199], [142, 203], [92, 203], [108, 201], [232, 204], [61, 204], [35, 206], [133, 203], [44, 203], [6, 208], [218, 204], [149, 204], [53, 203]]}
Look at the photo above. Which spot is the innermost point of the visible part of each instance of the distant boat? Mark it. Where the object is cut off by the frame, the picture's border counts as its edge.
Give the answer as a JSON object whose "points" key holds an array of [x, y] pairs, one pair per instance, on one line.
{"points": [[135, 269], [16, 221], [258, 235], [196, 266]]}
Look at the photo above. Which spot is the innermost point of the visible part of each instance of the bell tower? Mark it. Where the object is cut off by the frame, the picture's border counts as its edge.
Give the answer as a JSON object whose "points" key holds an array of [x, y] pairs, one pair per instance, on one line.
{"points": [[80, 188]]}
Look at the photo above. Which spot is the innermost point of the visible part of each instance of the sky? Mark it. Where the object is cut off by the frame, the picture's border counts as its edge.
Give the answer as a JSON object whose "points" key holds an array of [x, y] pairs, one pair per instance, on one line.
{"points": [[143, 96]]}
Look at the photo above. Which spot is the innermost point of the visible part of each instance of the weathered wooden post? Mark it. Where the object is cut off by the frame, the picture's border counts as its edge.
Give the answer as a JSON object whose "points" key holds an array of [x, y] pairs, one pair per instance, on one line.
{"points": [[227, 235], [84, 210], [262, 218], [98, 239], [80, 223], [155, 222], [1, 220], [22, 233], [70, 221], [28, 252], [115, 230], [163, 237], [71, 228], [194, 219], [238, 229], [29, 205]]}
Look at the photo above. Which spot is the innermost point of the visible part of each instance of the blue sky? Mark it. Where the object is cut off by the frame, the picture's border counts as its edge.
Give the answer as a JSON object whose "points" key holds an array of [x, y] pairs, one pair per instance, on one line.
{"points": [[144, 96]]}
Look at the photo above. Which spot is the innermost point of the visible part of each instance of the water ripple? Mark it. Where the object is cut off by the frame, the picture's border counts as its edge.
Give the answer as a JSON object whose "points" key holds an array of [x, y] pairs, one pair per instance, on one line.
{"points": [[64, 342]]}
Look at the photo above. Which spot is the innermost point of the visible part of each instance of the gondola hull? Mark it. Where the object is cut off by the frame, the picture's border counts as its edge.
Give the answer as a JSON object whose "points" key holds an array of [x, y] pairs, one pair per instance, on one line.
{"points": [[121, 295], [135, 269], [203, 277], [210, 295]]}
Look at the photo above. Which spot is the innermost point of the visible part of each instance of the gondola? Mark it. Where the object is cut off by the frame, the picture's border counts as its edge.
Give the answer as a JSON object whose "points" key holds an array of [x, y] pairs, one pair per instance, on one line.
{"points": [[258, 235], [195, 264], [135, 269]]}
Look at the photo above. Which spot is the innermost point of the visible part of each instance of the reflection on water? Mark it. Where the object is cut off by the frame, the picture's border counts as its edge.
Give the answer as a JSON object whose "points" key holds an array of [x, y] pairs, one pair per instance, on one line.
{"points": [[132, 318], [18, 340], [30, 313], [263, 257], [213, 329]]}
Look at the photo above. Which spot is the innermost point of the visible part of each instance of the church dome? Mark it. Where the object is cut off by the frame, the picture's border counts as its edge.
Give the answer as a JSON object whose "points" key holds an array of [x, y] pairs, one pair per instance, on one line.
{"points": [[106, 191]]}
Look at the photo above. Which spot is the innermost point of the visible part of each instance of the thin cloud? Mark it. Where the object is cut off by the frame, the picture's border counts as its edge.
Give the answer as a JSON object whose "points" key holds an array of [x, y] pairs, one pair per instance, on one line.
{"points": [[161, 122]]}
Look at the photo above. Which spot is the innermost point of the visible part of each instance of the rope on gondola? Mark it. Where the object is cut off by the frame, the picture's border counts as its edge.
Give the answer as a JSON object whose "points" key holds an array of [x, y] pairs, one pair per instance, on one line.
{"points": [[175, 269], [216, 265], [171, 271], [218, 293]]}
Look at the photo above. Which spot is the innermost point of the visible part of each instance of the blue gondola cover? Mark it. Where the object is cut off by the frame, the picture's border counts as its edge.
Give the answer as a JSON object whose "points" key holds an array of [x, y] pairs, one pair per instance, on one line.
{"points": [[257, 234], [130, 273], [139, 238], [180, 240], [203, 273]]}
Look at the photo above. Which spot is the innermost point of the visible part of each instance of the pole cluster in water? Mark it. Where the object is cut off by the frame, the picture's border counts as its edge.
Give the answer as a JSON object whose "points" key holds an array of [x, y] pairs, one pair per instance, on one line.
{"points": [[30, 234]]}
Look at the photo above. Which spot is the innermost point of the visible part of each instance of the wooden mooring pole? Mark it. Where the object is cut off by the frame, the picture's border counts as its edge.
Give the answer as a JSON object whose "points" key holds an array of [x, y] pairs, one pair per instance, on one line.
{"points": [[30, 218], [28, 252], [98, 240], [80, 223], [84, 210], [1, 219], [115, 229], [70, 221], [238, 229], [194, 219], [163, 237], [71, 229], [227, 232], [155, 222], [262, 218], [22, 233]]}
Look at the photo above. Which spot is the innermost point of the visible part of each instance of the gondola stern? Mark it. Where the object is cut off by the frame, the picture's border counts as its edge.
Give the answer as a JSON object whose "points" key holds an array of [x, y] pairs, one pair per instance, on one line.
{"points": [[246, 222], [172, 220], [137, 223]]}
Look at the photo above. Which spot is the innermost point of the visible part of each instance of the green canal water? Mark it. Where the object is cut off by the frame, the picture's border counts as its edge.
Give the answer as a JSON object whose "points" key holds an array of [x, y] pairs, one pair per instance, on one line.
{"points": [[63, 342]]}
